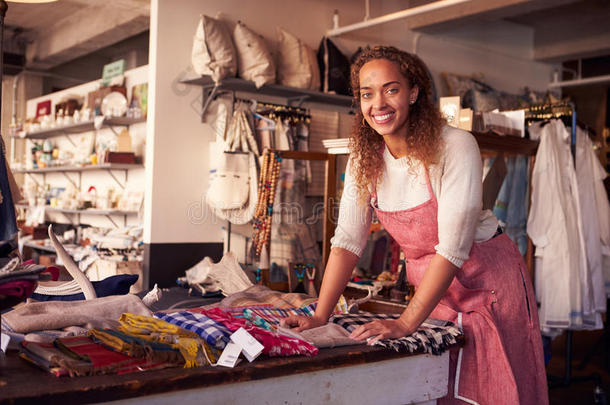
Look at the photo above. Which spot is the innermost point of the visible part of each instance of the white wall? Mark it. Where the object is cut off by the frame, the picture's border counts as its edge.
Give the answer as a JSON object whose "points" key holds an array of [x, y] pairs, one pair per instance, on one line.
{"points": [[177, 147]]}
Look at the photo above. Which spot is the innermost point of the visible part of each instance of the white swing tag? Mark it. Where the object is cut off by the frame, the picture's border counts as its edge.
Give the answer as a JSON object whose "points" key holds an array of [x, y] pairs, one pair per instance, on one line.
{"points": [[251, 348], [4, 341], [230, 355]]}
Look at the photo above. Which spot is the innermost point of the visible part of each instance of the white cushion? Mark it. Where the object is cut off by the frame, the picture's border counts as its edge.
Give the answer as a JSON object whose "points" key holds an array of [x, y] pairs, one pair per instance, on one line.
{"points": [[297, 63], [254, 61], [213, 51]]}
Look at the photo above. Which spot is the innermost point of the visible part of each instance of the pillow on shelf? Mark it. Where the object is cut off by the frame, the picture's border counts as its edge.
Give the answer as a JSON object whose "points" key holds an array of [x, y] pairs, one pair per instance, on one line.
{"points": [[297, 63], [334, 68], [254, 61], [213, 51]]}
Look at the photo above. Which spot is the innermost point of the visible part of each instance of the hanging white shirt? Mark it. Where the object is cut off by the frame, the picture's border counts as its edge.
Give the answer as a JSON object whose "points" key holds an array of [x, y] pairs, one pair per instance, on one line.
{"points": [[555, 227], [595, 216]]}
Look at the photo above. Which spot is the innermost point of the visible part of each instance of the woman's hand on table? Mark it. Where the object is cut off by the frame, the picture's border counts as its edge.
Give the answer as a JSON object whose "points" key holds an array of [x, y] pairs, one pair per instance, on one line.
{"points": [[381, 329], [301, 323]]}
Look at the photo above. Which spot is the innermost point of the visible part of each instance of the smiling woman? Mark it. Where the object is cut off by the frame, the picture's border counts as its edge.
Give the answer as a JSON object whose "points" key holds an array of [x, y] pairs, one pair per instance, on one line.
{"points": [[387, 81], [422, 179]]}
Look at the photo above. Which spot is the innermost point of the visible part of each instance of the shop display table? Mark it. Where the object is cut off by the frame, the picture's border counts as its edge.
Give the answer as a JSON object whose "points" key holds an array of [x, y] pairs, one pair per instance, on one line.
{"points": [[345, 375]]}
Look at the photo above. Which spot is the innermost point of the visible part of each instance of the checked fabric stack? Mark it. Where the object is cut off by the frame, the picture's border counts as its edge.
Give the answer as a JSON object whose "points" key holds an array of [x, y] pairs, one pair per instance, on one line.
{"points": [[433, 336]]}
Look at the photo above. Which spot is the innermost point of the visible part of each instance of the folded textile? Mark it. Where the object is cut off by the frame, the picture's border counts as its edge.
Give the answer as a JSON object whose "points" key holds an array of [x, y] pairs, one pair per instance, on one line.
{"points": [[273, 343], [98, 312], [325, 336], [80, 356], [352, 321], [194, 350], [433, 336], [52, 359], [214, 333], [17, 288], [19, 271], [259, 295], [137, 347], [269, 318], [104, 360], [113, 285]]}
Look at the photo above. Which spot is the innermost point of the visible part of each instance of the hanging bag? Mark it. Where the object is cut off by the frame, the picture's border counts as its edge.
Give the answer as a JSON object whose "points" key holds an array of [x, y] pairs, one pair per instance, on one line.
{"points": [[233, 190]]}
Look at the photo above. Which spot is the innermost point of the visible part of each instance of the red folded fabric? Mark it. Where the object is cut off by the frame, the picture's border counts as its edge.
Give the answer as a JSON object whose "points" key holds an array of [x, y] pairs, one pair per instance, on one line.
{"points": [[18, 288], [104, 360], [54, 271], [274, 344]]}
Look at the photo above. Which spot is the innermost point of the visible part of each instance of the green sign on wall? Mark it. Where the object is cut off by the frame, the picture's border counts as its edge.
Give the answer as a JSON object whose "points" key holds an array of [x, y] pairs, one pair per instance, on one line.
{"points": [[112, 70]]}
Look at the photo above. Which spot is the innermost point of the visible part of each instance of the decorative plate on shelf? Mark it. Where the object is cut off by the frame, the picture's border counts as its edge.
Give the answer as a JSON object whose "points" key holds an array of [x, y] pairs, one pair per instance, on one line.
{"points": [[114, 105]]}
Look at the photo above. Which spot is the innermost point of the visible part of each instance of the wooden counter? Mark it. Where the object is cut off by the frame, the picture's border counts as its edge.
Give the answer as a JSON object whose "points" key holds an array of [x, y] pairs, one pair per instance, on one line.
{"points": [[353, 374]]}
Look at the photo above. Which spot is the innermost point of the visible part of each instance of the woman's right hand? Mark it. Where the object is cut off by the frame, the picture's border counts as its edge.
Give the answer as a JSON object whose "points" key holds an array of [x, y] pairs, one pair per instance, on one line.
{"points": [[301, 323]]}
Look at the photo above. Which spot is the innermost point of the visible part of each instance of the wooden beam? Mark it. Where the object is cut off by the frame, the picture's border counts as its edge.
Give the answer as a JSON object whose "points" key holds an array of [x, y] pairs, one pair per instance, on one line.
{"points": [[83, 32]]}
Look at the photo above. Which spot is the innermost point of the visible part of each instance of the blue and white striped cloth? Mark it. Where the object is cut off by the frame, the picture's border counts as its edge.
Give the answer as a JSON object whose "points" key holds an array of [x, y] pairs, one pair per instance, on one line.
{"points": [[214, 333]]}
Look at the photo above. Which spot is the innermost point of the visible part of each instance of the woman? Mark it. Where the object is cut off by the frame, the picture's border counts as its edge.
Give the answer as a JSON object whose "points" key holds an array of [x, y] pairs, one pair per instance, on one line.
{"points": [[423, 179]]}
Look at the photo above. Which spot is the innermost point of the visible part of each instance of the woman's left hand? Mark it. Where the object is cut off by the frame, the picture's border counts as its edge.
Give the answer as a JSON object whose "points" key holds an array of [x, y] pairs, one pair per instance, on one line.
{"points": [[382, 329]]}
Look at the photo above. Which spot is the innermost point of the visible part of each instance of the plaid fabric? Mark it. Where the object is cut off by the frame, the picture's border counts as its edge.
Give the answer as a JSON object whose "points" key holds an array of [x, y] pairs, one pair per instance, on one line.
{"points": [[273, 343], [433, 336], [238, 312], [152, 329], [269, 318], [214, 333], [275, 315], [352, 321]]}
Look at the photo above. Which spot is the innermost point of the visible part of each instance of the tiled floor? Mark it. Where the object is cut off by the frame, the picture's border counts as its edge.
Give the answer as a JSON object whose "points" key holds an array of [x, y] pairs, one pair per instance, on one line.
{"points": [[578, 393]]}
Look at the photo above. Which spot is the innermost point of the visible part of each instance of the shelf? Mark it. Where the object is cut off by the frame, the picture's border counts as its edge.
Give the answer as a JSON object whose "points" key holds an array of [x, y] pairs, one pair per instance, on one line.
{"points": [[508, 144], [34, 245], [293, 95], [487, 141], [89, 211], [104, 166], [80, 127]]}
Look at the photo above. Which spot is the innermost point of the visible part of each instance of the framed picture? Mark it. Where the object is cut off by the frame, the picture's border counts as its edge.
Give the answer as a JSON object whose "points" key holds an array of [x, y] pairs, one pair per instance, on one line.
{"points": [[450, 108], [139, 98], [43, 108]]}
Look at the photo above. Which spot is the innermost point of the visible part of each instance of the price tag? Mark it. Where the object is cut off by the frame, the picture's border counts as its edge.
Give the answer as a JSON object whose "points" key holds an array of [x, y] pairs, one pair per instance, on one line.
{"points": [[4, 339], [230, 355], [251, 348]]}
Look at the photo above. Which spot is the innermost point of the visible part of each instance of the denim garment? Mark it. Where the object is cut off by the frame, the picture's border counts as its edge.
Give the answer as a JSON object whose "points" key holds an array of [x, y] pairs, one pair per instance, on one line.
{"points": [[511, 203]]}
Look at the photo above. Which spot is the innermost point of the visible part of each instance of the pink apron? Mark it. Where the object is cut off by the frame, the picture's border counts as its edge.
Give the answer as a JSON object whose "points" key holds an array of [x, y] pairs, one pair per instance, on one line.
{"points": [[492, 299]]}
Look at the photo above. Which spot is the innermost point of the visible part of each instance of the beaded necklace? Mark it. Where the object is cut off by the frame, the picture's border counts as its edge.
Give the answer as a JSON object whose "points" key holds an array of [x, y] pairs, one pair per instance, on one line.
{"points": [[267, 185]]}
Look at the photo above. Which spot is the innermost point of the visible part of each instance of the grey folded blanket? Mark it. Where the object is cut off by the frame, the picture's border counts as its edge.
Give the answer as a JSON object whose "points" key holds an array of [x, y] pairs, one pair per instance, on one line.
{"points": [[92, 313]]}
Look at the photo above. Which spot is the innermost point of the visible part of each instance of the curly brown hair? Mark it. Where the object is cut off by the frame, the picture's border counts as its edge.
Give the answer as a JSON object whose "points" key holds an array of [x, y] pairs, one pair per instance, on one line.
{"points": [[424, 124]]}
